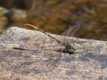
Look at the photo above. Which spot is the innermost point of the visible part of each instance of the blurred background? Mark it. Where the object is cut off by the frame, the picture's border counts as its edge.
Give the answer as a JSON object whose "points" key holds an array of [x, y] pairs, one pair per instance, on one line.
{"points": [[57, 16]]}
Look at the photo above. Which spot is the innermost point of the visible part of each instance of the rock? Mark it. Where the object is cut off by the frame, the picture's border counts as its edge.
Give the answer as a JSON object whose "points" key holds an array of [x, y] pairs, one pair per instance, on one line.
{"points": [[32, 55]]}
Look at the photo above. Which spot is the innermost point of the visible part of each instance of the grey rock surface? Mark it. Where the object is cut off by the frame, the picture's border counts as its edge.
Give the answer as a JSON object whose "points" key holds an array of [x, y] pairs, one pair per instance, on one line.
{"points": [[42, 61]]}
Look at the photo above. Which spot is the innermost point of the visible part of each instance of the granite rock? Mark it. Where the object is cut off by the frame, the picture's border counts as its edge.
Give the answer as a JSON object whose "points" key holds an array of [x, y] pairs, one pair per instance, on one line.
{"points": [[32, 55]]}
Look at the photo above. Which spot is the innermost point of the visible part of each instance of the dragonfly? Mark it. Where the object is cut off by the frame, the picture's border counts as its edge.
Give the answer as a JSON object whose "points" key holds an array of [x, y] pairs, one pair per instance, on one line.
{"points": [[68, 48]]}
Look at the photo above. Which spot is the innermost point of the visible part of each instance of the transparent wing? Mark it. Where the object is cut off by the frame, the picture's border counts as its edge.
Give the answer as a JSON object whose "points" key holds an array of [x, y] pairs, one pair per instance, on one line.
{"points": [[71, 30]]}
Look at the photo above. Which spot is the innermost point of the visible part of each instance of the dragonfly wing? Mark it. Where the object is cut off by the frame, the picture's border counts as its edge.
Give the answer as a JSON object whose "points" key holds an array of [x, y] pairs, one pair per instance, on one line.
{"points": [[71, 30]]}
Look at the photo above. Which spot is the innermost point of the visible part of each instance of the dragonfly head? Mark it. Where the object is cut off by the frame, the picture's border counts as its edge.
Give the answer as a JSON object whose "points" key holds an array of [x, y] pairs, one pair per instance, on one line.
{"points": [[69, 48]]}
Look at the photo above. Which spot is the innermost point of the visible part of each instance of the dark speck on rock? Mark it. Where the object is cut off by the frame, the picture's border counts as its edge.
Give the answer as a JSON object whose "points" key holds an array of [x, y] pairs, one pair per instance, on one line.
{"points": [[69, 59], [17, 78], [71, 71], [24, 39], [86, 57], [86, 77], [102, 78], [37, 71]]}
